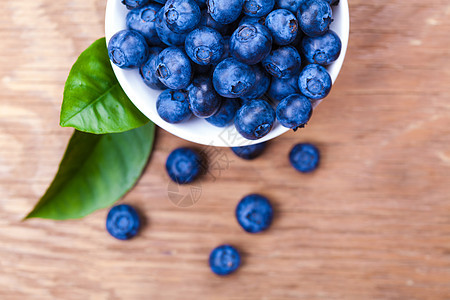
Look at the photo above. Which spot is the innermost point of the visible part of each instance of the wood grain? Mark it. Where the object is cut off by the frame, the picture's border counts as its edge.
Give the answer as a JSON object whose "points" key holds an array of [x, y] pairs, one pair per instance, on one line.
{"points": [[372, 223]]}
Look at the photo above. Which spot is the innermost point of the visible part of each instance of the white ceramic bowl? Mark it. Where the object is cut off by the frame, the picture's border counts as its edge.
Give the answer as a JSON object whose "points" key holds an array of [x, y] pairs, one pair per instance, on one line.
{"points": [[198, 130]]}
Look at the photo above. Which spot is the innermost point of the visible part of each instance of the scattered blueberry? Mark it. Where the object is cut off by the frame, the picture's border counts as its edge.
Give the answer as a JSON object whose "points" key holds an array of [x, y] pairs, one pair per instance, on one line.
{"points": [[258, 8], [260, 86], [123, 222], [182, 16], [166, 35], [128, 49], [254, 213], [304, 157], [143, 20], [204, 46], [251, 43], [225, 115], [173, 68], [224, 260], [232, 78], [173, 106], [283, 26], [251, 151], [255, 119], [294, 111], [314, 82], [284, 62], [291, 5], [314, 17], [322, 50], [225, 11], [131, 4], [183, 165], [281, 88], [208, 21], [148, 70], [203, 98]]}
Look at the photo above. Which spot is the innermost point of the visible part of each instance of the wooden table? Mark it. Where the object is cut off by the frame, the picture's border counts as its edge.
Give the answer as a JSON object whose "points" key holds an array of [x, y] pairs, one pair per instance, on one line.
{"points": [[372, 223]]}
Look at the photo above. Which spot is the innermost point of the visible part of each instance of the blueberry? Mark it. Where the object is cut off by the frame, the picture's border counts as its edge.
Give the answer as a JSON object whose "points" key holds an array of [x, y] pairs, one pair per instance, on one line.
{"points": [[281, 88], [148, 70], [123, 222], [143, 20], [233, 79], [261, 85], [182, 16], [283, 26], [173, 106], [322, 50], [225, 115], [304, 157], [128, 49], [173, 68], [255, 119], [166, 35], [254, 213], [314, 82], [258, 8], [314, 17], [291, 5], [208, 21], [183, 165], [204, 46], [294, 111], [203, 98], [131, 4], [225, 11], [283, 63], [251, 43], [224, 260], [250, 20], [251, 151]]}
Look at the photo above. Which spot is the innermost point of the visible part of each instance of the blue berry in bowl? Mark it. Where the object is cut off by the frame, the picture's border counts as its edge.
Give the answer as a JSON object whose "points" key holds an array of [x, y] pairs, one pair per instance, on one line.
{"points": [[314, 17], [131, 4], [281, 88], [322, 50], [304, 157], [258, 8], [232, 78], [148, 70], [284, 62], [204, 46], [294, 111], [173, 68], [224, 260], [261, 85], [123, 222], [250, 152], [314, 82], [283, 26], [173, 106], [225, 115], [182, 16], [254, 213], [203, 98], [291, 5], [250, 20], [166, 35], [143, 20], [128, 49], [225, 11], [251, 43], [208, 21], [183, 165], [255, 119]]}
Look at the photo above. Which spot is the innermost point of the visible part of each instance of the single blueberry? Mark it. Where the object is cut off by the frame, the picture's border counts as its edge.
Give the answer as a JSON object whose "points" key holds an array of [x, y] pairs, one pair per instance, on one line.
{"points": [[251, 151], [173, 68], [128, 49], [283, 26], [148, 70], [224, 260], [260, 86], [143, 20], [225, 11], [250, 20], [304, 157], [314, 17], [254, 213], [203, 98], [182, 16], [166, 35], [314, 82], [294, 111], [284, 62], [173, 106], [232, 78], [225, 115], [255, 119], [258, 8], [208, 21], [131, 4], [281, 88], [184, 165], [204, 46], [251, 43], [291, 5], [322, 50], [123, 222]]}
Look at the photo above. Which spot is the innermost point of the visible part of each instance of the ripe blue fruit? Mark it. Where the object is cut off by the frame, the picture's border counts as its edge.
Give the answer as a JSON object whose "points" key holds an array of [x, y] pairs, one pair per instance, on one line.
{"points": [[294, 111], [143, 20], [203, 98], [283, 26], [254, 213], [314, 17], [251, 43], [232, 78], [204, 46], [250, 20], [182, 16], [225, 115], [255, 119], [322, 50], [184, 165], [251, 151], [208, 21], [291, 5], [284, 62], [260, 86], [128, 49], [258, 8], [304, 157], [281, 88], [225, 11], [123, 222], [224, 260], [166, 35], [130, 4], [148, 70], [314, 82], [173, 68], [173, 106]]}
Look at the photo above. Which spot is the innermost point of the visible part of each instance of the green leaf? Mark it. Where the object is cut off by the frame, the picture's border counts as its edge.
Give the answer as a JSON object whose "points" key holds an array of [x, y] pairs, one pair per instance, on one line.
{"points": [[95, 172], [93, 99]]}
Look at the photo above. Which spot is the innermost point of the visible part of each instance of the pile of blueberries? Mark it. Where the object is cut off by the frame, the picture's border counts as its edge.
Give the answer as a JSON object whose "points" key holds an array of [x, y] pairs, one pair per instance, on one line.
{"points": [[248, 61], [254, 213]]}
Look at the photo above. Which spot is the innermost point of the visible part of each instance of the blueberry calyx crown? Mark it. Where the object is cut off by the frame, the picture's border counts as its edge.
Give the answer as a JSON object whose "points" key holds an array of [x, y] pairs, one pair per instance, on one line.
{"points": [[252, 7], [246, 33], [239, 88], [262, 130], [148, 15], [162, 71], [118, 57], [171, 15], [203, 53]]}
